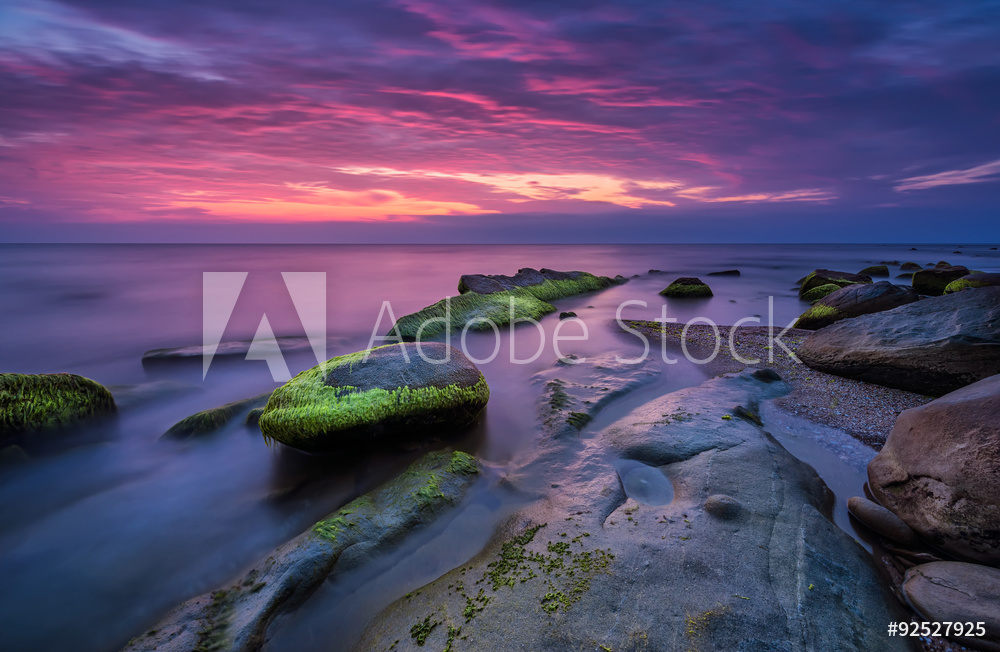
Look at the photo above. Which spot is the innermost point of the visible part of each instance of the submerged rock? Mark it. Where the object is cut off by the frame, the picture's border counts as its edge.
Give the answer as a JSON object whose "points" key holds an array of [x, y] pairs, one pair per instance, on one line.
{"points": [[973, 281], [585, 567], [853, 301], [208, 421], [938, 471], [38, 402], [237, 618], [934, 280], [956, 592], [910, 267], [567, 315], [875, 270], [687, 287], [726, 272], [827, 277], [644, 483], [349, 402], [931, 347], [497, 300]]}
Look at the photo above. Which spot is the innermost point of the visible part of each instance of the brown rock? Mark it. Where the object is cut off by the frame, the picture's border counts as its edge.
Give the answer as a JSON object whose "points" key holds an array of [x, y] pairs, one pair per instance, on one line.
{"points": [[882, 521], [933, 281], [951, 591], [939, 471]]}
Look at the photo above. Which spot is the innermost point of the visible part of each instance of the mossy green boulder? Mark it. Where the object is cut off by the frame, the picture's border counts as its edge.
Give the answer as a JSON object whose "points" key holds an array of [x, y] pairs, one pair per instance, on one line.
{"points": [[910, 267], [350, 401], [208, 421], [497, 299], [687, 287], [875, 270], [820, 277], [972, 281], [819, 292], [36, 402]]}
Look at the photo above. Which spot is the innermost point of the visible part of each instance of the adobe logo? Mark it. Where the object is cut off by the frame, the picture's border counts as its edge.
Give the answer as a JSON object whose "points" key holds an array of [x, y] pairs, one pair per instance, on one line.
{"points": [[221, 291]]}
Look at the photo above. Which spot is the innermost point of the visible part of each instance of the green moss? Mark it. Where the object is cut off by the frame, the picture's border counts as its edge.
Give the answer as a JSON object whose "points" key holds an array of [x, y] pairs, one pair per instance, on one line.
{"points": [[817, 316], [421, 630], [31, 403], [421, 487], [964, 284], [527, 302], [208, 421], [819, 292], [578, 419], [305, 410], [213, 633]]}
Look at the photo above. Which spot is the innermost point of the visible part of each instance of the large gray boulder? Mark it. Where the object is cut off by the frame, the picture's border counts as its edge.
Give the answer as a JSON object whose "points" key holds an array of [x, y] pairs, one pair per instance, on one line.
{"points": [[376, 396], [854, 301], [743, 558], [955, 592], [930, 347], [939, 471]]}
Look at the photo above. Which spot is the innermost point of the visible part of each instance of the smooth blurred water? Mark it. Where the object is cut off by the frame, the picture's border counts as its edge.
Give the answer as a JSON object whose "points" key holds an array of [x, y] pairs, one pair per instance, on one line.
{"points": [[107, 528]]}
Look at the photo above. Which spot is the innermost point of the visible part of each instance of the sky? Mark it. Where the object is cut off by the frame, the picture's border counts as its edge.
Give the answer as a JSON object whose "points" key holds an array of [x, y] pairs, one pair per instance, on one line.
{"points": [[499, 121]]}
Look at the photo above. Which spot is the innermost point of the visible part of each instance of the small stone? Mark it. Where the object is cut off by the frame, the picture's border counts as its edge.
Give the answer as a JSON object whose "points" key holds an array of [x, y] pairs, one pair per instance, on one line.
{"points": [[567, 315], [723, 506], [766, 375], [881, 520]]}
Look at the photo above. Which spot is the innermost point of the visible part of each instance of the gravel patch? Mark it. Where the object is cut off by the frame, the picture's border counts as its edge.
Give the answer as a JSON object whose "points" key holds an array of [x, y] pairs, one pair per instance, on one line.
{"points": [[865, 411]]}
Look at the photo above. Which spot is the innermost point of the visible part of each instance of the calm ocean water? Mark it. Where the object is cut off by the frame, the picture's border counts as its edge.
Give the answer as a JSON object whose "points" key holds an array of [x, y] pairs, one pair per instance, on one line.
{"points": [[107, 528]]}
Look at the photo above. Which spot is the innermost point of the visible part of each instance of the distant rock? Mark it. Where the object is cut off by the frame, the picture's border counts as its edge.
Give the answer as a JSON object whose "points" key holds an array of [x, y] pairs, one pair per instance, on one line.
{"points": [[910, 267], [888, 262], [938, 471], [826, 277], [232, 348], [907, 275], [687, 287], [567, 315], [39, 402], [488, 300], [931, 347], [349, 402], [875, 270], [727, 272], [819, 292], [956, 592], [973, 281], [934, 280], [853, 301]]}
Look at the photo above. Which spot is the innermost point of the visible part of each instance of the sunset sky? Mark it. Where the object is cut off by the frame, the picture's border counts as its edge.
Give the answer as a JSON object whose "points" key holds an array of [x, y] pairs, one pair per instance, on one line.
{"points": [[476, 120]]}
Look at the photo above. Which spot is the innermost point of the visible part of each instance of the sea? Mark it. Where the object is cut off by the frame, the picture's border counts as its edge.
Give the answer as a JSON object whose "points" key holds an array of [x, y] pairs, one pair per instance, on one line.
{"points": [[107, 527]]}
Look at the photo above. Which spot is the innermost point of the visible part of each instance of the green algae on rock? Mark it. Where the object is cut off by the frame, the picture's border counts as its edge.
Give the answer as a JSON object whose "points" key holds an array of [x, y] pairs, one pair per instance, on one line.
{"points": [[499, 300], [238, 617], [687, 287], [35, 402], [972, 281], [351, 400], [934, 280], [853, 301], [819, 292], [819, 277], [208, 421]]}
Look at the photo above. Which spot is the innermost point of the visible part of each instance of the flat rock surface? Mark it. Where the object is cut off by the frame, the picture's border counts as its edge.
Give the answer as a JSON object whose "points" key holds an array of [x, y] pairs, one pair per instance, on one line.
{"points": [[584, 566], [949, 591]]}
